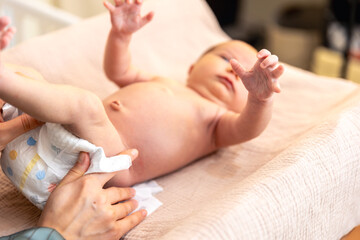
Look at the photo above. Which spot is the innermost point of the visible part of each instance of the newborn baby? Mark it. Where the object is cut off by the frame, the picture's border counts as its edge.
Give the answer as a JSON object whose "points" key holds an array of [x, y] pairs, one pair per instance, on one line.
{"points": [[227, 100]]}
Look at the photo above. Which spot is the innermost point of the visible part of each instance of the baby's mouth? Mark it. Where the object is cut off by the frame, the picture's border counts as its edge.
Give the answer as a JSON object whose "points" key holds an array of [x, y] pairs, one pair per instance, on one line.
{"points": [[227, 82]]}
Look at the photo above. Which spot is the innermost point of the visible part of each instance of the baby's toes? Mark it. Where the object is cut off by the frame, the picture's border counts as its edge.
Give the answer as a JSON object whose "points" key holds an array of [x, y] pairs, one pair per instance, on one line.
{"points": [[6, 37], [4, 22]]}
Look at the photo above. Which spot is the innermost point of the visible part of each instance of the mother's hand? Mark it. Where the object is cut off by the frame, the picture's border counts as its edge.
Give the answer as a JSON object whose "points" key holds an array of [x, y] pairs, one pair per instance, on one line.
{"points": [[79, 207]]}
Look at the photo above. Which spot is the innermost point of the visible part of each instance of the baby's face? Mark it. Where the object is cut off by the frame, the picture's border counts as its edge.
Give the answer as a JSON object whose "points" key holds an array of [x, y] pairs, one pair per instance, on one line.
{"points": [[213, 78]]}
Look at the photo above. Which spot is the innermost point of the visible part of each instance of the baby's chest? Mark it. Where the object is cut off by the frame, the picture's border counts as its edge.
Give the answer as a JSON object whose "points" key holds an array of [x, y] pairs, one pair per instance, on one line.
{"points": [[163, 118]]}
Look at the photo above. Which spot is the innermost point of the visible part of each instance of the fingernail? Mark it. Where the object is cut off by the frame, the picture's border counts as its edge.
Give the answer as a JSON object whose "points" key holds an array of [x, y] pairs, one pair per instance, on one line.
{"points": [[143, 212], [136, 203], [134, 152], [132, 192], [81, 158]]}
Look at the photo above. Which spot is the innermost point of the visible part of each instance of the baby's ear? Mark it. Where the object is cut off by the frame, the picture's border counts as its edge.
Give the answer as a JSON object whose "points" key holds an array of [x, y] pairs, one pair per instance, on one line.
{"points": [[190, 68]]}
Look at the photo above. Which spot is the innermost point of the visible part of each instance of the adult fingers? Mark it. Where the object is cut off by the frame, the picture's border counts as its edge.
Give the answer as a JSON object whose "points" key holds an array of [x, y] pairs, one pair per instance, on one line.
{"points": [[117, 194], [129, 222], [123, 209], [123, 156], [78, 170]]}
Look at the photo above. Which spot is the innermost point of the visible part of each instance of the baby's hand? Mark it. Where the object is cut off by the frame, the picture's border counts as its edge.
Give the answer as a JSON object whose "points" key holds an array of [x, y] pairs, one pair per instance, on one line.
{"points": [[262, 80], [126, 17]]}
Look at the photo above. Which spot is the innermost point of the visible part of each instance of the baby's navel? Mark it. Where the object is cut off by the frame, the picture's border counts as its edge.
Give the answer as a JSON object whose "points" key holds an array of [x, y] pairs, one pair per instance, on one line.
{"points": [[116, 105]]}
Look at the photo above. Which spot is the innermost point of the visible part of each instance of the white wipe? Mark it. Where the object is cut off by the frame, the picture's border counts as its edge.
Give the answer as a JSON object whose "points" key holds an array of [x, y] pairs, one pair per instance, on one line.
{"points": [[145, 196]]}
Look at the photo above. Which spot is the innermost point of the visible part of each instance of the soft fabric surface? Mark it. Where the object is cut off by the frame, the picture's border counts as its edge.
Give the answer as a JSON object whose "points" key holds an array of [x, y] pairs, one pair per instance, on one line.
{"points": [[298, 180]]}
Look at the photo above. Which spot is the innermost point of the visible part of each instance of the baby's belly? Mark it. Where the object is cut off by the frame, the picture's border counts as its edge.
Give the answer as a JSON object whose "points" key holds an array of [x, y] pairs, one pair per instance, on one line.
{"points": [[166, 128]]}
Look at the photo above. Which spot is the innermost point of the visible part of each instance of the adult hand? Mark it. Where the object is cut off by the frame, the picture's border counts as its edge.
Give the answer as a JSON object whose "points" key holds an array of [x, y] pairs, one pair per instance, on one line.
{"points": [[13, 128], [79, 207]]}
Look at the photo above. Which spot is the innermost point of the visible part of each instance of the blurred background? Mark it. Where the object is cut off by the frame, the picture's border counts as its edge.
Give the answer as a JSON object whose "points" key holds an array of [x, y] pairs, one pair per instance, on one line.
{"points": [[322, 36]]}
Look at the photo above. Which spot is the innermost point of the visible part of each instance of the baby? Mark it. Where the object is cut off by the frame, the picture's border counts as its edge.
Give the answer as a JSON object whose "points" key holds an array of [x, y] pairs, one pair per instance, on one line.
{"points": [[171, 124]]}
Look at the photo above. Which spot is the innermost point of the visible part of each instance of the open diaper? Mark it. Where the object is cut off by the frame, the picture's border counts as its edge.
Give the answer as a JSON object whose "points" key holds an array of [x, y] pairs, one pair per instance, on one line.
{"points": [[36, 161]]}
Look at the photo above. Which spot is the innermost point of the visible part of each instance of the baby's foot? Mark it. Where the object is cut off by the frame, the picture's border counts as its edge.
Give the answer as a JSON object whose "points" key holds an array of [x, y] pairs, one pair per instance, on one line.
{"points": [[262, 80], [6, 32]]}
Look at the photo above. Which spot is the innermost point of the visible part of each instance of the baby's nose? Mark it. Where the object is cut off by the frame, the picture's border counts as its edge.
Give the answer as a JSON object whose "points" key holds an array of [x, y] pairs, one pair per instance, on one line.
{"points": [[230, 70]]}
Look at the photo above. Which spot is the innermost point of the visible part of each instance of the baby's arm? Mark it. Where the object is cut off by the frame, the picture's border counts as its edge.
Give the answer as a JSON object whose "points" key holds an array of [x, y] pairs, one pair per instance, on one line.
{"points": [[125, 20], [261, 82]]}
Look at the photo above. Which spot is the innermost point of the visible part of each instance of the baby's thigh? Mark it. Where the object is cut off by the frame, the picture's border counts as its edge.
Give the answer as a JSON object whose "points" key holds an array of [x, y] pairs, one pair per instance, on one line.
{"points": [[124, 178], [27, 72]]}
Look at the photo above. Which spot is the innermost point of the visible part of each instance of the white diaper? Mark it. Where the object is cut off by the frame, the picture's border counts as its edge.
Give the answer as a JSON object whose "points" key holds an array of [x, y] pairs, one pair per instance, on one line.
{"points": [[37, 160]]}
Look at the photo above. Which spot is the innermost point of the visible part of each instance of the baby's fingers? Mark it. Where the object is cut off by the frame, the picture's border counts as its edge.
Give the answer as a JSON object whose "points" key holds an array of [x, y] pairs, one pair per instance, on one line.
{"points": [[276, 86], [109, 6], [146, 19], [269, 62], [238, 68], [278, 71], [263, 53]]}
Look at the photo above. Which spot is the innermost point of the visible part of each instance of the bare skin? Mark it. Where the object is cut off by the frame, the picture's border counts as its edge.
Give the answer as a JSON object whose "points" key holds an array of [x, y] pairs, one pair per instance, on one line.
{"points": [[227, 100], [13, 128], [79, 207], [173, 124]]}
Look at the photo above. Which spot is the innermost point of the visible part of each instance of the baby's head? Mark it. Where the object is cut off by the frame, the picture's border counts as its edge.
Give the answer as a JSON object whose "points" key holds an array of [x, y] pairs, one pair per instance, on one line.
{"points": [[213, 78]]}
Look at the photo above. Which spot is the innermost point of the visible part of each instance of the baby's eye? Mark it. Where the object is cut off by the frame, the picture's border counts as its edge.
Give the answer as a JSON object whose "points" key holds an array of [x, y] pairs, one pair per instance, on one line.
{"points": [[225, 58]]}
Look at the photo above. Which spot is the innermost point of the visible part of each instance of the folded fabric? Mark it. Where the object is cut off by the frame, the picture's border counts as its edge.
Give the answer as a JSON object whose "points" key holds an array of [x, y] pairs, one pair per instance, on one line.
{"points": [[145, 196]]}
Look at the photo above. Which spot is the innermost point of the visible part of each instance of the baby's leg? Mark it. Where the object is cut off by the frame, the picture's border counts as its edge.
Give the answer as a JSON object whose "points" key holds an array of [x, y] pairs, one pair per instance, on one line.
{"points": [[80, 111], [44, 101]]}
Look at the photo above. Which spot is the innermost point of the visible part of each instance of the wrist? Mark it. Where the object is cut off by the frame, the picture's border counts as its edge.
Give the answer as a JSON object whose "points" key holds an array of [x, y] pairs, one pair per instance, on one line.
{"points": [[256, 100], [120, 35], [29, 122]]}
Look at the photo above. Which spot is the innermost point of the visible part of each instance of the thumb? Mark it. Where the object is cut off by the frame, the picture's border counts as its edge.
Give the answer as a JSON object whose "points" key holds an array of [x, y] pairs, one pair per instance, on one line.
{"points": [[78, 170], [237, 67], [146, 19], [105, 177]]}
